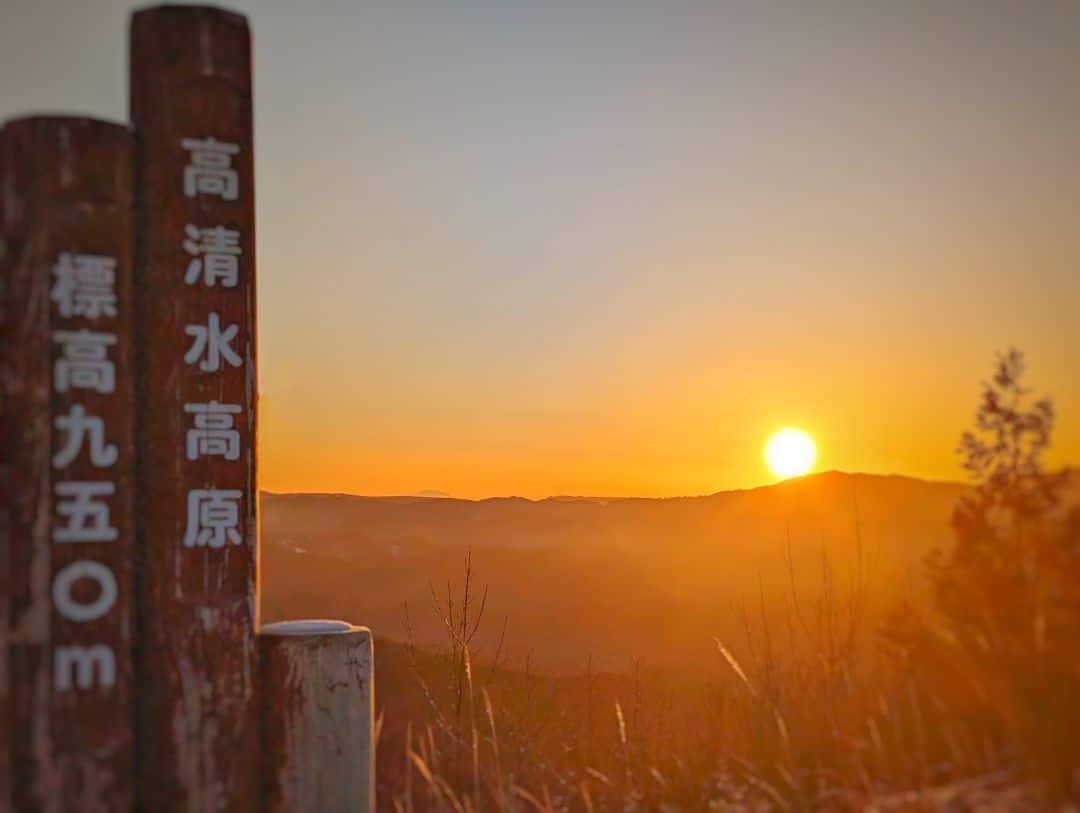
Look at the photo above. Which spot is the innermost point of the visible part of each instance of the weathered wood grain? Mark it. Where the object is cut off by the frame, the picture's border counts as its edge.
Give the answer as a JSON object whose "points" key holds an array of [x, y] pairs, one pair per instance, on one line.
{"points": [[5, 528], [191, 86], [316, 709], [68, 430]]}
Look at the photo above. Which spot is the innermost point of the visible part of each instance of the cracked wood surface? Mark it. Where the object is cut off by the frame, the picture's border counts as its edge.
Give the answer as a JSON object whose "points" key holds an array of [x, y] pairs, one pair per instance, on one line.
{"points": [[317, 718]]}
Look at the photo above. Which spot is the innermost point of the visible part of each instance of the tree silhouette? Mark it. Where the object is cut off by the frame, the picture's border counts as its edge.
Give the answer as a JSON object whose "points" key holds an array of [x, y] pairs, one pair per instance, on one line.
{"points": [[992, 583], [1009, 585]]}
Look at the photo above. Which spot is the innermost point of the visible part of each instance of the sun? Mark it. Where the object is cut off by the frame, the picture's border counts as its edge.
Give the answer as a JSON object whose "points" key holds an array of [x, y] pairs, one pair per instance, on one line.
{"points": [[790, 452]]}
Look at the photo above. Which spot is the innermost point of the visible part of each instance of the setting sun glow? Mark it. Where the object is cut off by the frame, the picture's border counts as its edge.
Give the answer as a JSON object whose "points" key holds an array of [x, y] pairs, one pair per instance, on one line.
{"points": [[790, 453]]}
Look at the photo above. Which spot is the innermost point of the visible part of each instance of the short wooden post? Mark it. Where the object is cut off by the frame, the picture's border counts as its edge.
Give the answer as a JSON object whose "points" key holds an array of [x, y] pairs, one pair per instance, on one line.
{"points": [[317, 716], [191, 107], [68, 442]]}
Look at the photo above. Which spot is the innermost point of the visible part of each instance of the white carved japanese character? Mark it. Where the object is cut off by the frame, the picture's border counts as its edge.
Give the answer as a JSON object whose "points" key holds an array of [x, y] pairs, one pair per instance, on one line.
{"points": [[215, 253], [87, 515], [84, 363], [214, 433], [214, 343], [209, 171], [213, 518], [78, 426], [85, 285]]}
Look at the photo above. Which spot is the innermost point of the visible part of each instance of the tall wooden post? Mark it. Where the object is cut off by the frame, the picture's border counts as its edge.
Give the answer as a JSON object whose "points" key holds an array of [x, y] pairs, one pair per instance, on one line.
{"points": [[5, 522], [68, 440], [317, 717], [191, 107]]}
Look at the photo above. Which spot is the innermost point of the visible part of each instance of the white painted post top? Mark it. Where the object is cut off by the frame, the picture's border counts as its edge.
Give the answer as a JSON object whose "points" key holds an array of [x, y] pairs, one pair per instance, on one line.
{"points": [[310, 626]]}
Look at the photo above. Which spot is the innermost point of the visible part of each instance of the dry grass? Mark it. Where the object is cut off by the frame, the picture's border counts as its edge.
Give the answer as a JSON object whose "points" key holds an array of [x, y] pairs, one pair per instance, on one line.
{"points": [[812, 710]]}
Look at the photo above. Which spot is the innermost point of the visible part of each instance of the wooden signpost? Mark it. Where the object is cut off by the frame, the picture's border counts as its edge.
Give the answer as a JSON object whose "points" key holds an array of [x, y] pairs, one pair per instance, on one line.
{"points": [[195, 328], [130, 668], [68, 445]]}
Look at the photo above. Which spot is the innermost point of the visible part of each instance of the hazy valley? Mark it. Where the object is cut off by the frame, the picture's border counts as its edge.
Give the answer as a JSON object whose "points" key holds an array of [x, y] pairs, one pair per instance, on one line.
{"points": [[614, 579]]}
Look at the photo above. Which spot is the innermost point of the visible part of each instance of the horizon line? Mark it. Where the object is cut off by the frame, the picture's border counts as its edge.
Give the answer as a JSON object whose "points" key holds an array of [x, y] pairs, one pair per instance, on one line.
{"points": [[452, 497]]}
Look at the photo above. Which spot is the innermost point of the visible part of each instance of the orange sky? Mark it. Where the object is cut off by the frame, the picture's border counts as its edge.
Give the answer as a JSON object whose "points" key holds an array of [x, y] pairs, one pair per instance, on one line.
{"points": [[545, 249]]}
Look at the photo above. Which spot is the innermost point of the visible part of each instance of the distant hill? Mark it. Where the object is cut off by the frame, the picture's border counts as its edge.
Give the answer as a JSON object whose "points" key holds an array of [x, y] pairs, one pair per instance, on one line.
{"points": [[615, 578]]}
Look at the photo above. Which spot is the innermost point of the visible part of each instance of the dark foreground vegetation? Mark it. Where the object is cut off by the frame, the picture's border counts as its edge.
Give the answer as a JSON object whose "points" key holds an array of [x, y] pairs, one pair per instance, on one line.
{"points": [[964, 697]]}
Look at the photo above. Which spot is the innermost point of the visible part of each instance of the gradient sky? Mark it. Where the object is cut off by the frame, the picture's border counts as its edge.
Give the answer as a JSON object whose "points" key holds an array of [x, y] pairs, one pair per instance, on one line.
{"points": [[548, 248]]}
